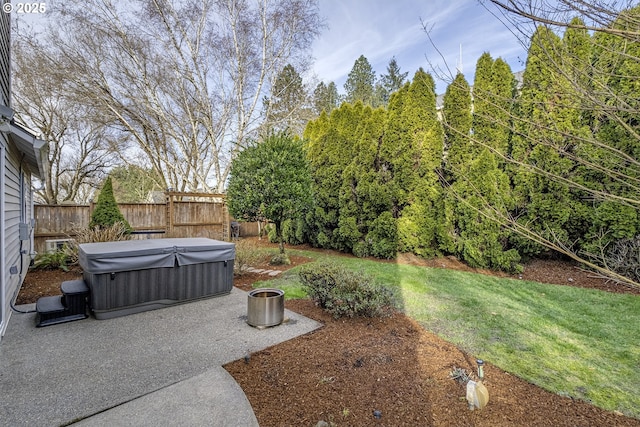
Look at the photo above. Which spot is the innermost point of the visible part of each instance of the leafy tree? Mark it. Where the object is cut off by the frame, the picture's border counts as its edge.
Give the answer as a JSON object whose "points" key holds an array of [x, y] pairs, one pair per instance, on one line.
{"points": [[106, 212], [288, 106], [270, 180], [325, 98], [359, 85]]}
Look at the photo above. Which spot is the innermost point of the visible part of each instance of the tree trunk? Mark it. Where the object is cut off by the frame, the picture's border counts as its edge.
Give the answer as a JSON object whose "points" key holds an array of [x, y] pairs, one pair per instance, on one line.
{"points": [[279, 236]]}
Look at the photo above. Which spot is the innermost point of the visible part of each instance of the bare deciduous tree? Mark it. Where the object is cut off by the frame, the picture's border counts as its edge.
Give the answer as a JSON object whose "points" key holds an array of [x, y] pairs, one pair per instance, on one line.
{"points": [[181, 80], [79, 152]]}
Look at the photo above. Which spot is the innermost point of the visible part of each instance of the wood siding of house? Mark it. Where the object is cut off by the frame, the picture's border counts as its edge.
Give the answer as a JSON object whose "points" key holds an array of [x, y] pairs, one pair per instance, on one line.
{"points": [[8, 283], [17, 194]]}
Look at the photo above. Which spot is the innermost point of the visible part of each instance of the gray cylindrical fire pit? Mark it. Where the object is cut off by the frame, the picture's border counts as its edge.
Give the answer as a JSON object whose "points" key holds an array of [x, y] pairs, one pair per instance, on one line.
{"points": [[265, 307]]}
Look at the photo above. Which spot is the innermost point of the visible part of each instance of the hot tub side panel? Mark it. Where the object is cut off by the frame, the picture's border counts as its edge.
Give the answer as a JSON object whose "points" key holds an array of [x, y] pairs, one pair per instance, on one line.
{"points": [[128, 292]]}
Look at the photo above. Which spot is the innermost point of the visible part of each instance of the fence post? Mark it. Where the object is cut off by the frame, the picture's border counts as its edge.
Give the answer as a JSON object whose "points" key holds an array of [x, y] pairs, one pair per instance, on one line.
{"points": [[226, 235], [169, 213]]}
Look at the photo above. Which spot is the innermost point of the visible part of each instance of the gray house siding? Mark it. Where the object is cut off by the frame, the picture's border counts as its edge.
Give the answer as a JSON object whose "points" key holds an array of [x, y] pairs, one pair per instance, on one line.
{"points": [[16, 210], [5, 90], [21, 156]]}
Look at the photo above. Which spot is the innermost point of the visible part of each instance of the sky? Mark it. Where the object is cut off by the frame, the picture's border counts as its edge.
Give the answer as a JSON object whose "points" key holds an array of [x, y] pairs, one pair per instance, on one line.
{"points": [[383, 29]]}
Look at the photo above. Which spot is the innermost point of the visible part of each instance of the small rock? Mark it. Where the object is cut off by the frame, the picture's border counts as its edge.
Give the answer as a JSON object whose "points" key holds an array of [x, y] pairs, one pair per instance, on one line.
{"points": [[274, 273], [322, 423], [570, 279], [377, 414]]}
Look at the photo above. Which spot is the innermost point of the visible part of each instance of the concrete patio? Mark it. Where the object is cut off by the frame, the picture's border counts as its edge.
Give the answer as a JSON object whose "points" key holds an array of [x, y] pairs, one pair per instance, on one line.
{"points": [[161, 367]]}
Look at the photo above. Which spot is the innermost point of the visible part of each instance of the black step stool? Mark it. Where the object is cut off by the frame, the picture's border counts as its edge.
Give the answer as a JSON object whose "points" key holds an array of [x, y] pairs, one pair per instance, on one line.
{"points": [[71, 305]]}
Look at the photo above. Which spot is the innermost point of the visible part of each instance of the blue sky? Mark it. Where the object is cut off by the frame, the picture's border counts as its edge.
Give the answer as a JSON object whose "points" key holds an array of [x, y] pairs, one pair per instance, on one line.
{"points": [[382, 29]]}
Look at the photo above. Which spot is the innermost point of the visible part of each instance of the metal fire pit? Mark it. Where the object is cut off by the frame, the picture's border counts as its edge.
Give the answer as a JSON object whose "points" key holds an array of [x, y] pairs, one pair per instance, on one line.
{"points": [[265, 307]]}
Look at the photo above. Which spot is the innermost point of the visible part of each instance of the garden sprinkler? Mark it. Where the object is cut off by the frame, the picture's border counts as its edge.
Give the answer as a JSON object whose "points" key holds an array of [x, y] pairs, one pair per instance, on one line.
{"points": [[477, 394]]}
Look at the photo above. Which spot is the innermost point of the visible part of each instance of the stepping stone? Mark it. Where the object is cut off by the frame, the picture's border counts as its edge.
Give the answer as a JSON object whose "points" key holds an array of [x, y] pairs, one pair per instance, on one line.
{"points": [[274, 273]]}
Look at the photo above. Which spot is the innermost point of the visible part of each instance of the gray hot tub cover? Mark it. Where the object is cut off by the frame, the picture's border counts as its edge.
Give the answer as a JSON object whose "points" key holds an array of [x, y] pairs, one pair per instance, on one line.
{"points": [[112, 257]]}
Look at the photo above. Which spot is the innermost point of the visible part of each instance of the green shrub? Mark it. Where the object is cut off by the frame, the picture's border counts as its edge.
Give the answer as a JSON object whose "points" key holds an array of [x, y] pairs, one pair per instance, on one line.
{"points": [[280, 259], [361, 249], [107, 213], [52, 261], [343, 292]]}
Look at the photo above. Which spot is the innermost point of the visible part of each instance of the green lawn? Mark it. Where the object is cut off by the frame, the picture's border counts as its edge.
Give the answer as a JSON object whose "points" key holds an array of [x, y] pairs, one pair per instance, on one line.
{"points": [[572, 341]]}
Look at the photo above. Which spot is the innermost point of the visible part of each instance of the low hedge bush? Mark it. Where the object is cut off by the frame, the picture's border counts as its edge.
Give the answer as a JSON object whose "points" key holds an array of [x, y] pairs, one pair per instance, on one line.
{"points": [[343, 292]]}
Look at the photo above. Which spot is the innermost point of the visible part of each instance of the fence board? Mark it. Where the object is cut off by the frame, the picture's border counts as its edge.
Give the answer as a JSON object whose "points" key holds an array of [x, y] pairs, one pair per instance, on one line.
{"points": [[197, 217]]}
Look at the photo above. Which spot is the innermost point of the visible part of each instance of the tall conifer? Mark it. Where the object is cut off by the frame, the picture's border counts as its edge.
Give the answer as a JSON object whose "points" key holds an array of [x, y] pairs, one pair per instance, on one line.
{"points": [[546, 205], [456, 116], [413, 149], [360, 82]]}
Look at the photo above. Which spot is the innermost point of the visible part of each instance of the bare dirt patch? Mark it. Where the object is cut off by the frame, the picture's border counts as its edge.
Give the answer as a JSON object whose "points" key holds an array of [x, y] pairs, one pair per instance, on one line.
{"points": [[350, 368]]}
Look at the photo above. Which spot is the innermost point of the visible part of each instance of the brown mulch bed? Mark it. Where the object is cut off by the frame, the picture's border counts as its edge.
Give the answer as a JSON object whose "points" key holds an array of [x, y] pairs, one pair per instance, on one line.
{"points": [[350, 368]]}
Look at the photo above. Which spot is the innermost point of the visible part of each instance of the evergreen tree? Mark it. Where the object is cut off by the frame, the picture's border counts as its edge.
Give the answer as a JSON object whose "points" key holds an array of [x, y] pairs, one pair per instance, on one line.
{"points": [[457, 127], [106, 212], [288, 106], [363, 197], [389, 83], [607, 146], [325, 98], [483, 193], [493, 92], [332, 144], [544, 204], [394, 79], [359, 85], [270, 180], [480, 189], [411, 155]]}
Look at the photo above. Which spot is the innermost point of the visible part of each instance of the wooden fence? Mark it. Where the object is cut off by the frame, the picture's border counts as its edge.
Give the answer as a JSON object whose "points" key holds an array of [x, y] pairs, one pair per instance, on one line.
{"points": [[182, 215]]}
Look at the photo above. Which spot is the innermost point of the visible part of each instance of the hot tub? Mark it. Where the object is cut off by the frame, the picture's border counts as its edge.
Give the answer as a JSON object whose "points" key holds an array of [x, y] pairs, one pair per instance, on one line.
{"points": [[138, 275]]}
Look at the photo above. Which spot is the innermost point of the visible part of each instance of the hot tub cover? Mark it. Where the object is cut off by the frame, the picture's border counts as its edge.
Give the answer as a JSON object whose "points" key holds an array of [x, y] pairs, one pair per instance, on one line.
{"points": [[112, 257]]}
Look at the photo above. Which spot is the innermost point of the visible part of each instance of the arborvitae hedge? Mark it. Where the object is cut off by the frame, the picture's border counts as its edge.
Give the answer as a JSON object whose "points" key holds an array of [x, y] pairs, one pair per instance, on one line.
{"points": [[385, 176]]}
